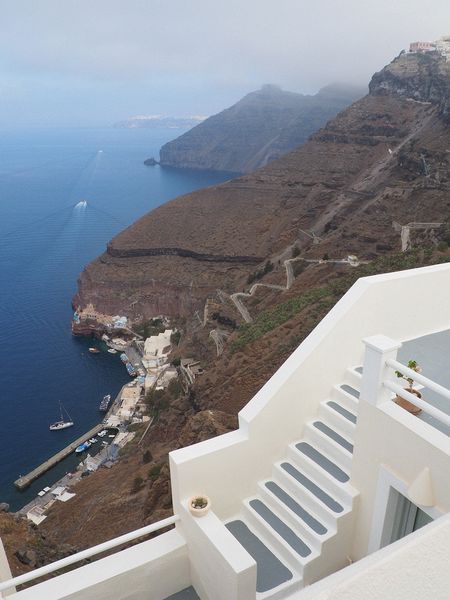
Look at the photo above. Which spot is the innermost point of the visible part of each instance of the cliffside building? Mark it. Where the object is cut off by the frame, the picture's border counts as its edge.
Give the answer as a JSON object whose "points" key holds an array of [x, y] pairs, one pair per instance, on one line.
{"points": [[328, 489], [442, 45], [422, 47]]}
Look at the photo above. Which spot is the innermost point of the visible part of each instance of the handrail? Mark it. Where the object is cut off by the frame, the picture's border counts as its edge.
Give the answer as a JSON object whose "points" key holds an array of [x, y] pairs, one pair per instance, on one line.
{"points": [[74, 558], [425, 406], [432, 385]]}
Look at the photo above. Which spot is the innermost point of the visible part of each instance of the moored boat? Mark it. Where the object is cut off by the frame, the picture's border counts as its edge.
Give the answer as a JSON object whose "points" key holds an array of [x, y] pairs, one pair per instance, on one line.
{"points": [[82, 447], [124, 358], [112, 351], [93, 350], [105, 403], [131, 370], [61, 424]]}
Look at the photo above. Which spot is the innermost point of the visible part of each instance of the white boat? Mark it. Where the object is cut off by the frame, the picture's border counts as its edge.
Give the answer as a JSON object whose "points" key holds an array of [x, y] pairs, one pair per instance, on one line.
{"points": [[61, 424], [83, 447], [112, 351]]}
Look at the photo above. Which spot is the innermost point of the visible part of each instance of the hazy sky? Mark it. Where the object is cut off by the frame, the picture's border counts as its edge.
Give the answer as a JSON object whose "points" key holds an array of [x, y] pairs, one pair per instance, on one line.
{"points": [[85, 62]]}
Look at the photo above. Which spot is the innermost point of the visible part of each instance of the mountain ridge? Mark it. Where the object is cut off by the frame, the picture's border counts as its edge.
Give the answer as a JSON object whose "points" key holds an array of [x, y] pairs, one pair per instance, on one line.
{"points": [[347, 184], [262, 126]]}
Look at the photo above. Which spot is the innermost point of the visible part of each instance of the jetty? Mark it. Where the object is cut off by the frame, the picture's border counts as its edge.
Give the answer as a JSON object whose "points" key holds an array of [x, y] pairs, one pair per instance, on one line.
{"points": [[25, 480]]}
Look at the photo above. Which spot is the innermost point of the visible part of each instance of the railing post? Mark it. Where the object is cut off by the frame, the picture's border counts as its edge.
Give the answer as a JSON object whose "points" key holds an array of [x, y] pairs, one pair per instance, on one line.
{"points": [[378, 349]]}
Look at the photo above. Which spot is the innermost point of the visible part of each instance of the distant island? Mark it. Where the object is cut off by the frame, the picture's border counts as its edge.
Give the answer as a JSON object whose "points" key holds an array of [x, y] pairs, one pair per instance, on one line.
{"points": [[159, 122]]}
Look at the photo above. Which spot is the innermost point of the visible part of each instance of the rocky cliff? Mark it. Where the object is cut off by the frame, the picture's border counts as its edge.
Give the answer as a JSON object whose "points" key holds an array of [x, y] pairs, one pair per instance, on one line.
{"points": [[261, 127], [382, 160]]}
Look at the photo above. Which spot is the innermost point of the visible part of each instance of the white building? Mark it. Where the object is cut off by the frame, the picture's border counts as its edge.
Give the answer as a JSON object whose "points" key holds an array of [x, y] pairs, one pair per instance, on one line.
{"points": [[327, 491], [443, 46], [156, 349]]}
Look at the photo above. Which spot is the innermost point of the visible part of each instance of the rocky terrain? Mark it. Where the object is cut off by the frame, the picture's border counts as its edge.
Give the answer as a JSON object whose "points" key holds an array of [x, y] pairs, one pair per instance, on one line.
{"points": [[261, 127], [380, 165]]}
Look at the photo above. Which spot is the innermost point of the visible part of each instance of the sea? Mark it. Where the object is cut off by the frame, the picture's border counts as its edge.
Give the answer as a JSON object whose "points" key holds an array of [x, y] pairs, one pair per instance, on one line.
{"points": [[63, 194]]}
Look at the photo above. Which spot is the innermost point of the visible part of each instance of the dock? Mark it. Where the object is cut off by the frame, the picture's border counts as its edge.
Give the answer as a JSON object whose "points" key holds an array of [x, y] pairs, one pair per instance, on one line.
{"points": [[25, 480]]}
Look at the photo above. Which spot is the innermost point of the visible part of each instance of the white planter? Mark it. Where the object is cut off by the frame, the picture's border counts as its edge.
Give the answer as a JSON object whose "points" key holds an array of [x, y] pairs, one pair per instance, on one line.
{"points": [[199, 511]]}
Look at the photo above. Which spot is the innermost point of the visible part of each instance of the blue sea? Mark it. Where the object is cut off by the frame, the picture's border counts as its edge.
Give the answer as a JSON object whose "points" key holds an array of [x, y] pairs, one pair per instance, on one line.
{"points": [[46, 238]]}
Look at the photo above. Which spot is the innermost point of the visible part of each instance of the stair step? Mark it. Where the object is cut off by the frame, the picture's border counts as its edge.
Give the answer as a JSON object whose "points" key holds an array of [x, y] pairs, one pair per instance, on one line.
{"points": [[342, 411], [331, 433], [322, 461], [336, 420], [280, 527], [296, 508], [350, 390], [271, 572], [315, 489], [186, 594], [349, 401], [326, 445], [353, 377]]}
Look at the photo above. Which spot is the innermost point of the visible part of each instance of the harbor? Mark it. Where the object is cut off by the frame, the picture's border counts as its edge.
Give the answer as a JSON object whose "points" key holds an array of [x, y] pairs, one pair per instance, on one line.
{"points": [[146, 361], [25, 480]]}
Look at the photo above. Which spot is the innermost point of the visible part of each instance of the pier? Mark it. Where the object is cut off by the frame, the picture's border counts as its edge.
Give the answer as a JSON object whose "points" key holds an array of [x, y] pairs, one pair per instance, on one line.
{"points": [[25, 480]]}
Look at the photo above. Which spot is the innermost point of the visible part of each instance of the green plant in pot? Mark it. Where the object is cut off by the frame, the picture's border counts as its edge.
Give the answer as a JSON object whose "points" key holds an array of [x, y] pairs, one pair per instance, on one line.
{"points": [[409, 406], [199, 505]]}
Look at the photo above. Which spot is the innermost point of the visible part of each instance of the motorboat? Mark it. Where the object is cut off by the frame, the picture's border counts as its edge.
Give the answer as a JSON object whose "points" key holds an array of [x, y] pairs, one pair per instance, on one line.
{"points": [[83, 447]]}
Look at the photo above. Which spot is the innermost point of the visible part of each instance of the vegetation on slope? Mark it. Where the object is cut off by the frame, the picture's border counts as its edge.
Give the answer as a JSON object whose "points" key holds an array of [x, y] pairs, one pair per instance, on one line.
{"points": [[324, 297]]}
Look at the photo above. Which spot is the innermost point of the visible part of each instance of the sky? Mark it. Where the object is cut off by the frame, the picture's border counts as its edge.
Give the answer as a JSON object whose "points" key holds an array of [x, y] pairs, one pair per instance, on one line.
{"points": [[95, 62]]}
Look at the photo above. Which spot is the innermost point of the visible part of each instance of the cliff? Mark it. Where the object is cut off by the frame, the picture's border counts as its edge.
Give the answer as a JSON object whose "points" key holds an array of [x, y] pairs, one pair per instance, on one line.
{"points": [[382, 160], [261, 127]]}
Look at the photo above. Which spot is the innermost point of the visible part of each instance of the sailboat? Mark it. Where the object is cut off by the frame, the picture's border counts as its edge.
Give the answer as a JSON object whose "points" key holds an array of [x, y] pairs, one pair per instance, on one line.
{"points": [[61, 424]]}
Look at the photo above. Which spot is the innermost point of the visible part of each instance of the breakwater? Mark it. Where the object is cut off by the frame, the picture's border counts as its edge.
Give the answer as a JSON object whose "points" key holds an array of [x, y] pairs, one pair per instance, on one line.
{"points": [[25, 480]]}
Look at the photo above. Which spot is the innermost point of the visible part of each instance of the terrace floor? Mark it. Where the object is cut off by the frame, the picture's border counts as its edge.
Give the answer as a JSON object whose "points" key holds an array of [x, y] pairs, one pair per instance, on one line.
{"points": [[432, 352]]}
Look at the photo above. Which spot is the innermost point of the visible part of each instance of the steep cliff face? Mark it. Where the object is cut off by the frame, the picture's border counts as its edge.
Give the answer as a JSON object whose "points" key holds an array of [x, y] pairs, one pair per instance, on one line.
{"points": [[421, 77], [382, 160], [261, 127]]}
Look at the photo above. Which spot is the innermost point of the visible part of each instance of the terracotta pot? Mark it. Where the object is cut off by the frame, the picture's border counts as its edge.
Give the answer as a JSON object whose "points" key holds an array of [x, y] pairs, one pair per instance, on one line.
{"points": [[409, 406], [199, 505]]}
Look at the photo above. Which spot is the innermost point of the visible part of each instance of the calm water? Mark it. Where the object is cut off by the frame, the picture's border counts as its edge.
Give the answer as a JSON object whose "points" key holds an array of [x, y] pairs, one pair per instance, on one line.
{"points": [[45, 240]]}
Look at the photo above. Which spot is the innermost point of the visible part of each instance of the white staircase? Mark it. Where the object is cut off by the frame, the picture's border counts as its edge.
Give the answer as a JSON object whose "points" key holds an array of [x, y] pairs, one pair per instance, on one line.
{"points": [[299, 525]]}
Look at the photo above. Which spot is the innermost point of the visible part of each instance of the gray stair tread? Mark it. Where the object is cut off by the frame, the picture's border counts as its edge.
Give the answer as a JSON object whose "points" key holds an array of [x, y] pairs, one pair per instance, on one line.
{"points": [[295, 507], [270, 571], [342, 411], [186, 594], [318, 492], [350, 390], [334, 435], [324, 462], [281, 528]]}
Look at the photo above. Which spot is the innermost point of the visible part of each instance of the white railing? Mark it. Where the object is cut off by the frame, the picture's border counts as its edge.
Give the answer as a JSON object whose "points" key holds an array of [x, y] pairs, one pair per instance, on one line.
{"points": [[70, 560], [378, 380], [422, 380], [427, 408], [428, 383]]}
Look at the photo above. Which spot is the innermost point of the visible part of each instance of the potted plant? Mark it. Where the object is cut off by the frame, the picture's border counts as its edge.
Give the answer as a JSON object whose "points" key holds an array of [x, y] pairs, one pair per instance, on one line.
{"points": [[199, 505], [409, 406]]}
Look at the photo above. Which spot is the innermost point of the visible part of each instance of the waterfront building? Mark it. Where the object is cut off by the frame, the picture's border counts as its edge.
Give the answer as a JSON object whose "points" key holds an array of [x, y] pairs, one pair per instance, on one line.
{"points": [[328, 489]]}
